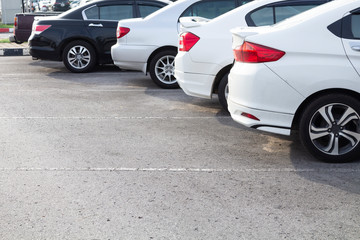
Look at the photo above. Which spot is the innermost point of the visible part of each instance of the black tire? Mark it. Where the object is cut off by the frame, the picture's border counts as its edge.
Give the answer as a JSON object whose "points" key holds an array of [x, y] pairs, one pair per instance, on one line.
{"points": [[79, 57], [330, 128], [223, 91], [162, 69]]}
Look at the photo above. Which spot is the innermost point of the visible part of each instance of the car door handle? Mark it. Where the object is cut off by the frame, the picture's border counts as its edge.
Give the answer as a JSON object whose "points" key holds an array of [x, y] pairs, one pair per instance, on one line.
{"points": [[356, 48], [95, 25]]}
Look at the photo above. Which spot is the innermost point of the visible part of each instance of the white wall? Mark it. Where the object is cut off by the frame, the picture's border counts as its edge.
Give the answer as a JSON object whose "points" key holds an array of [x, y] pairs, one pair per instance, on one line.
{"points": [[8, 9]]}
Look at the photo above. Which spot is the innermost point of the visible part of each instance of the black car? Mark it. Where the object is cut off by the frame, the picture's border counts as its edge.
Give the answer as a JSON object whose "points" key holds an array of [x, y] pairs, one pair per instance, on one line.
{"points": [[82, 37], [61, 5]]}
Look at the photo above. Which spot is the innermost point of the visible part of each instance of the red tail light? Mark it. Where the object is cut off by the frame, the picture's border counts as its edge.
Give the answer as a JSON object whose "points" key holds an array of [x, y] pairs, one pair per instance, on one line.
{"points": [[255, 53], [15, 22], [122, 31], [40, 28], [187, 41], [248, 115]]}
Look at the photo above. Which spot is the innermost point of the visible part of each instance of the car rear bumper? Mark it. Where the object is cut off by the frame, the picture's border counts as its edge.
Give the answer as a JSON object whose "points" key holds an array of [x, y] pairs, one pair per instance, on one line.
{"points": [[12, 38], [20, 35], [131, 57], [195, 78], [42, 53], [273, 122], [197, 85], [41, 48], [46, 53], [256, 90]]}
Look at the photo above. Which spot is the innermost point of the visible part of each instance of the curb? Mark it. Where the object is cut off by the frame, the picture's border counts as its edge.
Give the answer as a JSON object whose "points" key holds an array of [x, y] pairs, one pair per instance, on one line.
{"points": [[14, 49], [6, 30], [14, 52]]}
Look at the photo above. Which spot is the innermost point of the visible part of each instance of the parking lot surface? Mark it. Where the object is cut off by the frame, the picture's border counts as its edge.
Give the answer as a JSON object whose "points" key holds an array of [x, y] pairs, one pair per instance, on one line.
{"points": [[108, 155]]}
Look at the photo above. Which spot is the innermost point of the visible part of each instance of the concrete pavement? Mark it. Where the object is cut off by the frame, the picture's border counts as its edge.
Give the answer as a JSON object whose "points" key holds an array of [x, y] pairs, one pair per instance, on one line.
{"points": [[108, 155]]}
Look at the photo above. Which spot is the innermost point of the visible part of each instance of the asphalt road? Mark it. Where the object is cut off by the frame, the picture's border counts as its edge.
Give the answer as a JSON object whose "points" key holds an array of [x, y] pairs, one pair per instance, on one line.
{"points": [[108, 155], [5, 35]]}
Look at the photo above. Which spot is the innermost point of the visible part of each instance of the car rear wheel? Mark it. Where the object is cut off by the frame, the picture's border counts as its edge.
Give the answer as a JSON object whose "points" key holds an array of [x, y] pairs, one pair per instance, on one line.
{"points": [[330, 128], [162, 69], [79, 57], [223, 91]]}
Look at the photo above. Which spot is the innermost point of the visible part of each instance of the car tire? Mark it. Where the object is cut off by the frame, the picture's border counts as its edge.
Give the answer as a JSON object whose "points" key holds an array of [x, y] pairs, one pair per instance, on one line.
{"points": [[79, 57], [330, 128], [223, 91], [162, 69]]}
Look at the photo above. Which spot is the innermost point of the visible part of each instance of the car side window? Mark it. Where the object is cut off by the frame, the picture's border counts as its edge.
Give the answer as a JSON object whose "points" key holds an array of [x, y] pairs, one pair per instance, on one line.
{"points": [[147, 9], [110, 12], [209, 9], [261, 17], [350, 26], [355, 25], [92, 13]]}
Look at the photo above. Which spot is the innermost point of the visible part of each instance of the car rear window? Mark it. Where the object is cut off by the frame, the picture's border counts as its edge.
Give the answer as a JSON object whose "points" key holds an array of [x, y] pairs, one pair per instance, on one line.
{"points": [[272, 14], [283, 12], [147, 9], [209, 9]]}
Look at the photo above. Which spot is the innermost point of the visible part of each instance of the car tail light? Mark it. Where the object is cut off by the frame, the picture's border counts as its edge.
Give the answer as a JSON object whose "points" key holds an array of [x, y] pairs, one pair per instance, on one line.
{"points": [[122, 31], [248, 115], [40, 28], [15, 22], [255, 53], [187, 41]]}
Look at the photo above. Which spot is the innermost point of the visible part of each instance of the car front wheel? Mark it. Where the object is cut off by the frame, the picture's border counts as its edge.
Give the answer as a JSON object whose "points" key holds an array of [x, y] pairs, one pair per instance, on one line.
{"points": [[162, 69], [79, 57], [330, 128]]}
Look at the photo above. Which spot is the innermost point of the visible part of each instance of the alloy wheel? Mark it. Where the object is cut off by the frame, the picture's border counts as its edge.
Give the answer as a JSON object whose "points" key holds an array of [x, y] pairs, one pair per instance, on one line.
{"points": [[334, 129], [79, 57], [165, 69]]}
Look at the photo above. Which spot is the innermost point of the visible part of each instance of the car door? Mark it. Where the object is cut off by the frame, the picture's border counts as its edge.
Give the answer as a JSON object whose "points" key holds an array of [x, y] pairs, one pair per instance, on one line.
{"points": [[351, 38], [101, 21]]}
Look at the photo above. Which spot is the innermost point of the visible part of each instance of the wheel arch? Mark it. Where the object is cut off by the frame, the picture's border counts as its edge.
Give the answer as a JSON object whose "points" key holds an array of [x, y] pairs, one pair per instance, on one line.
{"points": [[301, 108], [219, 76], [163, 48]]}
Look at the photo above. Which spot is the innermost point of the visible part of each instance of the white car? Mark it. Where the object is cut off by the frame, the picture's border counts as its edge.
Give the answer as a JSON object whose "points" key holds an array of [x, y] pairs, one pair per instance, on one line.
{"points": [[74, 3], [205, 56], [45, 5], [150, 44], [302, 74]]}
